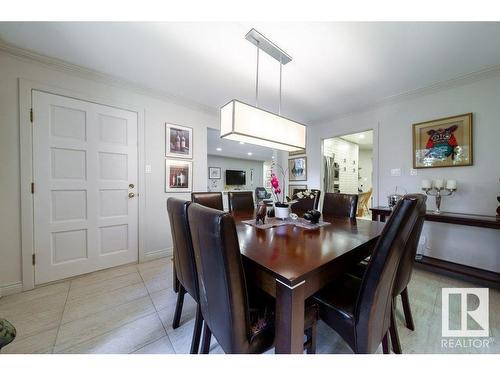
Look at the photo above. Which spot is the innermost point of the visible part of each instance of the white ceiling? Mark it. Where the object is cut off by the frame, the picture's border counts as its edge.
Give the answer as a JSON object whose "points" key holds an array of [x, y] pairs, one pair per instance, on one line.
{"points": [[336, 67], [233, 149], [363, 139]]}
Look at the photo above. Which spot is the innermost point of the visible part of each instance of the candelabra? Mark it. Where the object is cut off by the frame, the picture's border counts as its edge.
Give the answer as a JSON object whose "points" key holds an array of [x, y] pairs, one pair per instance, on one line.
{"points": [[439, 191]]}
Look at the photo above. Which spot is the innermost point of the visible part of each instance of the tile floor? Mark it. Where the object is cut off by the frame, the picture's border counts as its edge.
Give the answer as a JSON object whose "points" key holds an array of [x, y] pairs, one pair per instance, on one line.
{"points": [[129, 309]]}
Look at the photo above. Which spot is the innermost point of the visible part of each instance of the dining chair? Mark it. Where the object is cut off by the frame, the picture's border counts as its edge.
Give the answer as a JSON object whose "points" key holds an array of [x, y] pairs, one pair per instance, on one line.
{"points": [[261, 195], [340, 205], [241, 320], [363, 200], [360, 309], [185, 266], [208, 199], [240, 201], [404, 273], [306, 204]]}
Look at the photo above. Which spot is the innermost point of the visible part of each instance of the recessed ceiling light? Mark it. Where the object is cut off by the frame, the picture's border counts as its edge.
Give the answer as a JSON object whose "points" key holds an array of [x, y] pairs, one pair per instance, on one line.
{"points": [[219, 149], [272, 156], [361, 136], [242, 143], [249, 154]]}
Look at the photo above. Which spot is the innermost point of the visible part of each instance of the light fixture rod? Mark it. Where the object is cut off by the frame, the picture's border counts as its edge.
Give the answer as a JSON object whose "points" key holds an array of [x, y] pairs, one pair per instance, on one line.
{"points": [[257, 79], [281, 72]]}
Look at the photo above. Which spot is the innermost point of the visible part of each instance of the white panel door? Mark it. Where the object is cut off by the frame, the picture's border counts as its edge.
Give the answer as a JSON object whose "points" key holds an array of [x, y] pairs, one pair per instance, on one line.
{"points": [[85, 174]]}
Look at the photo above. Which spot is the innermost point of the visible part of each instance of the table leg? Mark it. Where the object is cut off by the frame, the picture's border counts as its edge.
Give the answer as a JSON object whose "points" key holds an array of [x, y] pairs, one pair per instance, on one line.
{"points": [[289, 318], [374, 216]]}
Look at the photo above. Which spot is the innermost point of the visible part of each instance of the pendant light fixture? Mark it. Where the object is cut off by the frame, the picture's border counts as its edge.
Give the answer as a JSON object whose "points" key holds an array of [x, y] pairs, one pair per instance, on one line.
{"points": [[247, 123]]}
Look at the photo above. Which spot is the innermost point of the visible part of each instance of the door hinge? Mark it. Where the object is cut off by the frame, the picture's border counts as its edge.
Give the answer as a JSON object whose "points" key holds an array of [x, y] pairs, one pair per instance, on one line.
{"points": [[32, 188], [33, 259], [31, 114]]}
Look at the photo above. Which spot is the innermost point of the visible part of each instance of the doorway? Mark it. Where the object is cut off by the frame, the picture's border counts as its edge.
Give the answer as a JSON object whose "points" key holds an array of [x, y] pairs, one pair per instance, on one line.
{"points": [[348, 167]]}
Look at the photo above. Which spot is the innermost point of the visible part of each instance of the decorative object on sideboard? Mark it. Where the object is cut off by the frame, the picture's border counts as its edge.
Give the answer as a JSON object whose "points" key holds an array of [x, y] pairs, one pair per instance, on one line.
{"points": [[312, 216], [394, 198], [438, 189], [7, 333], [261, 213], [445, 142], [178, 141]]}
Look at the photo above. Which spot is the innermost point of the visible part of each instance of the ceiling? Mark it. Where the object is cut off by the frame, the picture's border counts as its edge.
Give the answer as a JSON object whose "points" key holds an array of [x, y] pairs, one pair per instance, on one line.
{"points": [[233, 149], [363, 139], [337, 67]]}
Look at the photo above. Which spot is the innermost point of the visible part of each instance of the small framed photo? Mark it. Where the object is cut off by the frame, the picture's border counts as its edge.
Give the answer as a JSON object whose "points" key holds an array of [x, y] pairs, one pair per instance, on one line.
{"points": [[297, 169], [214, 173], [179, 176], [178, 141], [445, 142], [293, 188]]}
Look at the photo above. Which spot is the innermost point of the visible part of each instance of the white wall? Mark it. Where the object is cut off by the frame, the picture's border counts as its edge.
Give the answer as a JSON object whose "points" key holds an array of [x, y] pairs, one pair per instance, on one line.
{"points": [[366, 165], [346, 154], [157, 111], [250, 166], [478, 184]]}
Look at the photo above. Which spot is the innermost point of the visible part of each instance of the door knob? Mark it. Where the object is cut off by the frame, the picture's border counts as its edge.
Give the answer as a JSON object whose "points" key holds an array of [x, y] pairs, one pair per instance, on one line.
{"points": [[131, 195]]}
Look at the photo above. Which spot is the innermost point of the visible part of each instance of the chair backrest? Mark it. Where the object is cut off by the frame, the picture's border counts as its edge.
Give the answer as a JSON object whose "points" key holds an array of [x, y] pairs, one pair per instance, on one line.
{"points": [[184, 262], [306, 204], [260, 193], [408, 259], [241, 201], [373, 307], [208, 199], [363, 202], [223, 293], [340, 205]]}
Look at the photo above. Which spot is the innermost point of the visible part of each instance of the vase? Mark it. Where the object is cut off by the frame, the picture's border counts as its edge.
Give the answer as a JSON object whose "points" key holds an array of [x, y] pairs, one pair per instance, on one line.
{"points": [[281, 212]]}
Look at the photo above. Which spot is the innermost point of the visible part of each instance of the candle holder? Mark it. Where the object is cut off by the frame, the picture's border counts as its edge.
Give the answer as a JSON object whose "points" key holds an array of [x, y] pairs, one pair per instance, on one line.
{"points": [[438, 193]]}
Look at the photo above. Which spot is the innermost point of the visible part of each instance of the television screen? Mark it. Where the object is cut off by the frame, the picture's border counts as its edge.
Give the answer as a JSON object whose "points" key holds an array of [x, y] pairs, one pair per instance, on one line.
{"points": [[235, 177]]}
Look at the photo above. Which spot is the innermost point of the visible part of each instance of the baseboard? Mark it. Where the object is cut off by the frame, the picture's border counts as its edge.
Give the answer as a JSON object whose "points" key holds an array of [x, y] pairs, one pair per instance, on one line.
{"points": [[471, 274], [162, 253], [5, 290]]}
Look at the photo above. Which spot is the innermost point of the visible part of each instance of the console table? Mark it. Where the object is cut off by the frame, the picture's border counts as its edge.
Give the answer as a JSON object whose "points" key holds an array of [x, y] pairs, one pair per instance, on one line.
{"points": [[484, 277]]}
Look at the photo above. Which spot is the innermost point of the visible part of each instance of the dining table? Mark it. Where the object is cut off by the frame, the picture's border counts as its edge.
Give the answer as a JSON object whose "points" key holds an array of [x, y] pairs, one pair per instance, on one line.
{"points": [[291, 263]]}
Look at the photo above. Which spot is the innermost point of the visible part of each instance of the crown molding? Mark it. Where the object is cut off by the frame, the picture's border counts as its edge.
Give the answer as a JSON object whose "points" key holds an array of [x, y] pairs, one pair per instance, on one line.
{"points": [[96, 76], [479, 75]]}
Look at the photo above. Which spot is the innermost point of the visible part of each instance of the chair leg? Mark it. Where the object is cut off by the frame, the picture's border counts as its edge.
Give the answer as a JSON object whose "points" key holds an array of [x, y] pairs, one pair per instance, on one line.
{"points": [[207, 335], [407, 309], [311, 339], [198, 324], [385, 343], [178, 307], [175, 281], [396, 344]]}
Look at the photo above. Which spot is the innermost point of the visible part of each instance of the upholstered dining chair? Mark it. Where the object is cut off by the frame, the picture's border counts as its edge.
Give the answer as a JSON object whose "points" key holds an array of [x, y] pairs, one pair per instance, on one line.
{"points": [[208, 199], [340, 205], [403, 275], [306, 204], [239, 321], [241, 202], [360, 309], [185, 267], [261, 194]]}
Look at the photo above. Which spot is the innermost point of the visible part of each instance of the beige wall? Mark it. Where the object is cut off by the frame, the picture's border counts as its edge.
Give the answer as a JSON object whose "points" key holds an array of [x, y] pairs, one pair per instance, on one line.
{"points": [[157, 111]]}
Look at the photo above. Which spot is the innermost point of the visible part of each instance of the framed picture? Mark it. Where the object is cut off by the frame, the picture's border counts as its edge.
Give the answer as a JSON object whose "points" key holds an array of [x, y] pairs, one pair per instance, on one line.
{"points": [[214, 173], [178, 141], [291, 189], [445, 142], [295, 153], [178, 176], [297, 169]]}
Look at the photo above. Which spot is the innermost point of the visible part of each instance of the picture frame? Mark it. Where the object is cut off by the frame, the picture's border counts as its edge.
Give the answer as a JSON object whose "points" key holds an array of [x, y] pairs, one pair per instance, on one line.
{"points": [[291, 188], [178, 141], [444, 142], [178, 176], [296, 153], [297, 169], [214, 173]]}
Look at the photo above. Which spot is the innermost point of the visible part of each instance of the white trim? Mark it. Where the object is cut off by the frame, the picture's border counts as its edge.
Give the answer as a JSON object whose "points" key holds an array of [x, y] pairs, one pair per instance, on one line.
{"points": [[290, 287], [156, 254], [108, 79], [26, 142], [6, 290]]}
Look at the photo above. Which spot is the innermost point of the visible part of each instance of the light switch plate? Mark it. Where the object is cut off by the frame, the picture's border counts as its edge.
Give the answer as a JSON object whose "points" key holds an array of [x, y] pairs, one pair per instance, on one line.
{"points": [[147, 169], [396, 172], [413, 172]]}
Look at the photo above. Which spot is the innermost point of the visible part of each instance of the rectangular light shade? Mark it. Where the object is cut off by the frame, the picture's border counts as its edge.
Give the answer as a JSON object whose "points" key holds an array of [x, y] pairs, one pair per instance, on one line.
{"points": [[246, 123]]}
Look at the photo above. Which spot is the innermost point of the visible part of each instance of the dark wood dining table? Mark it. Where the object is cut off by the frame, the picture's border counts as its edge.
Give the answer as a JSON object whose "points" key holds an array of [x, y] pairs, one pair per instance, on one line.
{"points": [[292, 263]]}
